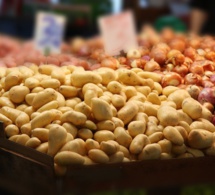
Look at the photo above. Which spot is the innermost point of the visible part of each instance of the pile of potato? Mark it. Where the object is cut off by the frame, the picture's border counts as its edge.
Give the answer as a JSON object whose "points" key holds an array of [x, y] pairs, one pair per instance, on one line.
{"points": [[101, 116]]}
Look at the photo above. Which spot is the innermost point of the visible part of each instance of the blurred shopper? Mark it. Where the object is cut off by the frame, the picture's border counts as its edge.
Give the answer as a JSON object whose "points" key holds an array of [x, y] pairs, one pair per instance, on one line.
{"points": [[202, 17]]}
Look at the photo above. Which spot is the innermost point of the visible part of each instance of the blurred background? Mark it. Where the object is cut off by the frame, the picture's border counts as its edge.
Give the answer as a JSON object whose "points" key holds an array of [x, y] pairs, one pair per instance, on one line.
{"points": [[17, 17]]}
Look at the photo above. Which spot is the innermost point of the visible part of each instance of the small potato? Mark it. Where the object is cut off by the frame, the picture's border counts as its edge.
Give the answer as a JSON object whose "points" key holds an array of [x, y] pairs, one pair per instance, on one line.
{"points": [[41, 133], [98, 156], [89, 95], [92, 144], [22, 139], [168, 103], [12, 79], [4, 101], [139, 97], [58, 74], [26, 129], [11, 130], [118, 101], [177, 150], [184, 117], [129, 77], [109, 147], [183, 132], [76, 145], [138, 143], [200, 138], [43, 147], [208, 125], [66, 158], [158, 88], [44, 97], [117, 122], [43, 119], [106, 98], [145, 90], [173, 135], [153, 98], [70, 128], [29, 110], [152, 75], [206, 114], [83, 108], [101, 110], [122, 137], [37, 89], [210, 151], [114, 110], [94, 87], [195, 152], [136, 127], [17, 93], [103, 135], [152, 128], [150, 109], [72, 102], [46, 69], [127, 112], [167, 116], [64, 109], [185, 155], [13, 138], [76, 118], [166, 156], [29, 98], [22, 107], [50, 83], [107, 75], [141, 116], [68, 91], [178, 97], [150, 151], [26, 72], [90, 125], [5, 120], [116, 157], [80, 78], [33, 142], [60, 170], [60, 99], [31, 82], [156, 137], [85, 133], [56, 139], [125, 151], [130, 91], [48, 106], [169, 90], [166, 146], [192, 107], [185, 126], [106, 125], [114, 87]]}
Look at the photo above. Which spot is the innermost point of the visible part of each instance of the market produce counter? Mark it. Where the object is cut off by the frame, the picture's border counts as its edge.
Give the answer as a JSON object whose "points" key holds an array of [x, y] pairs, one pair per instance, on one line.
{"points": [[26, 171]]}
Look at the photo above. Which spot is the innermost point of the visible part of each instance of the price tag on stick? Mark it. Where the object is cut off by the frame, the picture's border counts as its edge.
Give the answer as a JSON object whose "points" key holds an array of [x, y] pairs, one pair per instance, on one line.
{"points": [[49, 32], [118, 32]]}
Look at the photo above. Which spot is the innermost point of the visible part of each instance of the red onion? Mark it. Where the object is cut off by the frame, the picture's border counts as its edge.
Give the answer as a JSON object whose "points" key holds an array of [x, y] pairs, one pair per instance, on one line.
{"points": [[207, 95], [212, 78], [213, 120]]}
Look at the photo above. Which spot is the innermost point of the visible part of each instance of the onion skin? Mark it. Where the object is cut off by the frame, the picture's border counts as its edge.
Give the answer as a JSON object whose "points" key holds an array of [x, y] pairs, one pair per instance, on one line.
{"points": [[172, 79], [209, 106], [207, 95], [193, 79], [212, 78], [213, 120]]}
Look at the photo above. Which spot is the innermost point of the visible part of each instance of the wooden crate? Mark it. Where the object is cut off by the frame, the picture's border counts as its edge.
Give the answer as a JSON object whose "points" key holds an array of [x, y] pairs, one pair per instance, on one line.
{"points": [[27, 171]]}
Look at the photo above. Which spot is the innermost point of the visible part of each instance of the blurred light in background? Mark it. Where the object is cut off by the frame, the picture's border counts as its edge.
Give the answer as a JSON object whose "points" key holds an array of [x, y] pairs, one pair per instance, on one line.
{"points": [[116, 6]]}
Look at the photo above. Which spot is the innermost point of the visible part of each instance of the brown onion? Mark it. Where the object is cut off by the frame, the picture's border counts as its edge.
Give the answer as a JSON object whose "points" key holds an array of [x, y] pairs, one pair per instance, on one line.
{"points": [[172, 79], [192, 79], [152, 66], [182, 70]]}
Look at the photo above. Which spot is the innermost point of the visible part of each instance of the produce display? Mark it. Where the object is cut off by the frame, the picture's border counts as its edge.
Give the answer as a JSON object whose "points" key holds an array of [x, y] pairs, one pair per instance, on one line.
{"points": [[85, 107]]}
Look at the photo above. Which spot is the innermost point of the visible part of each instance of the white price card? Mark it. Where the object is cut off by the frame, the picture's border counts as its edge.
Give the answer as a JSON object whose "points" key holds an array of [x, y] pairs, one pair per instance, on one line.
{"points": [[118, 32], [49, 31]]}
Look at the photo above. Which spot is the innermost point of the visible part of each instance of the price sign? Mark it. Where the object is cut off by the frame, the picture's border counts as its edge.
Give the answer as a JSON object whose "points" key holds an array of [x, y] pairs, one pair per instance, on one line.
{"points": [[118, 33], [49, 32]]}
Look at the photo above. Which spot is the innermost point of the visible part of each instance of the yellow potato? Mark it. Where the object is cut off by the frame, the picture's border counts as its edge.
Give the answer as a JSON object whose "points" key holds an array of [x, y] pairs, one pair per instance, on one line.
{"points": [[106, 125], [17, 93], [116, 157], [118, 101], [22, 139], [166, 146], [50, 83], [26, 72], [192, 108], [29, 98], [150, 151], [68, 91], [195, 152], [12, 79], [127, 112], [114, 87], [98, 156], [29, 110], [66, 158], [117, 122], [130, 91], [5, 120], [70, 128], [46, 69], [72, 102], [4, 101], [200, 138], [41, 133], [178, 150], [58, 74], [83, 108], [33, 142], [90, 125], [44, 97], [31, 82], [48, 106], [11, 130], [60, 170], [77, 145], [103, 135], [152, 75], [153, 98], [43, 147], [138, 143], [85, 133], [76, 118], [145, 90], [109, 147], [80, 78], [173, 135], [107, 75], [156, 137], [150, 109], [122, 137], [101, 110], [136, 127], [37, 89], [92, 144], [26, 129], [167, 116], [184, 117], [22, 107], [56, 139]]}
